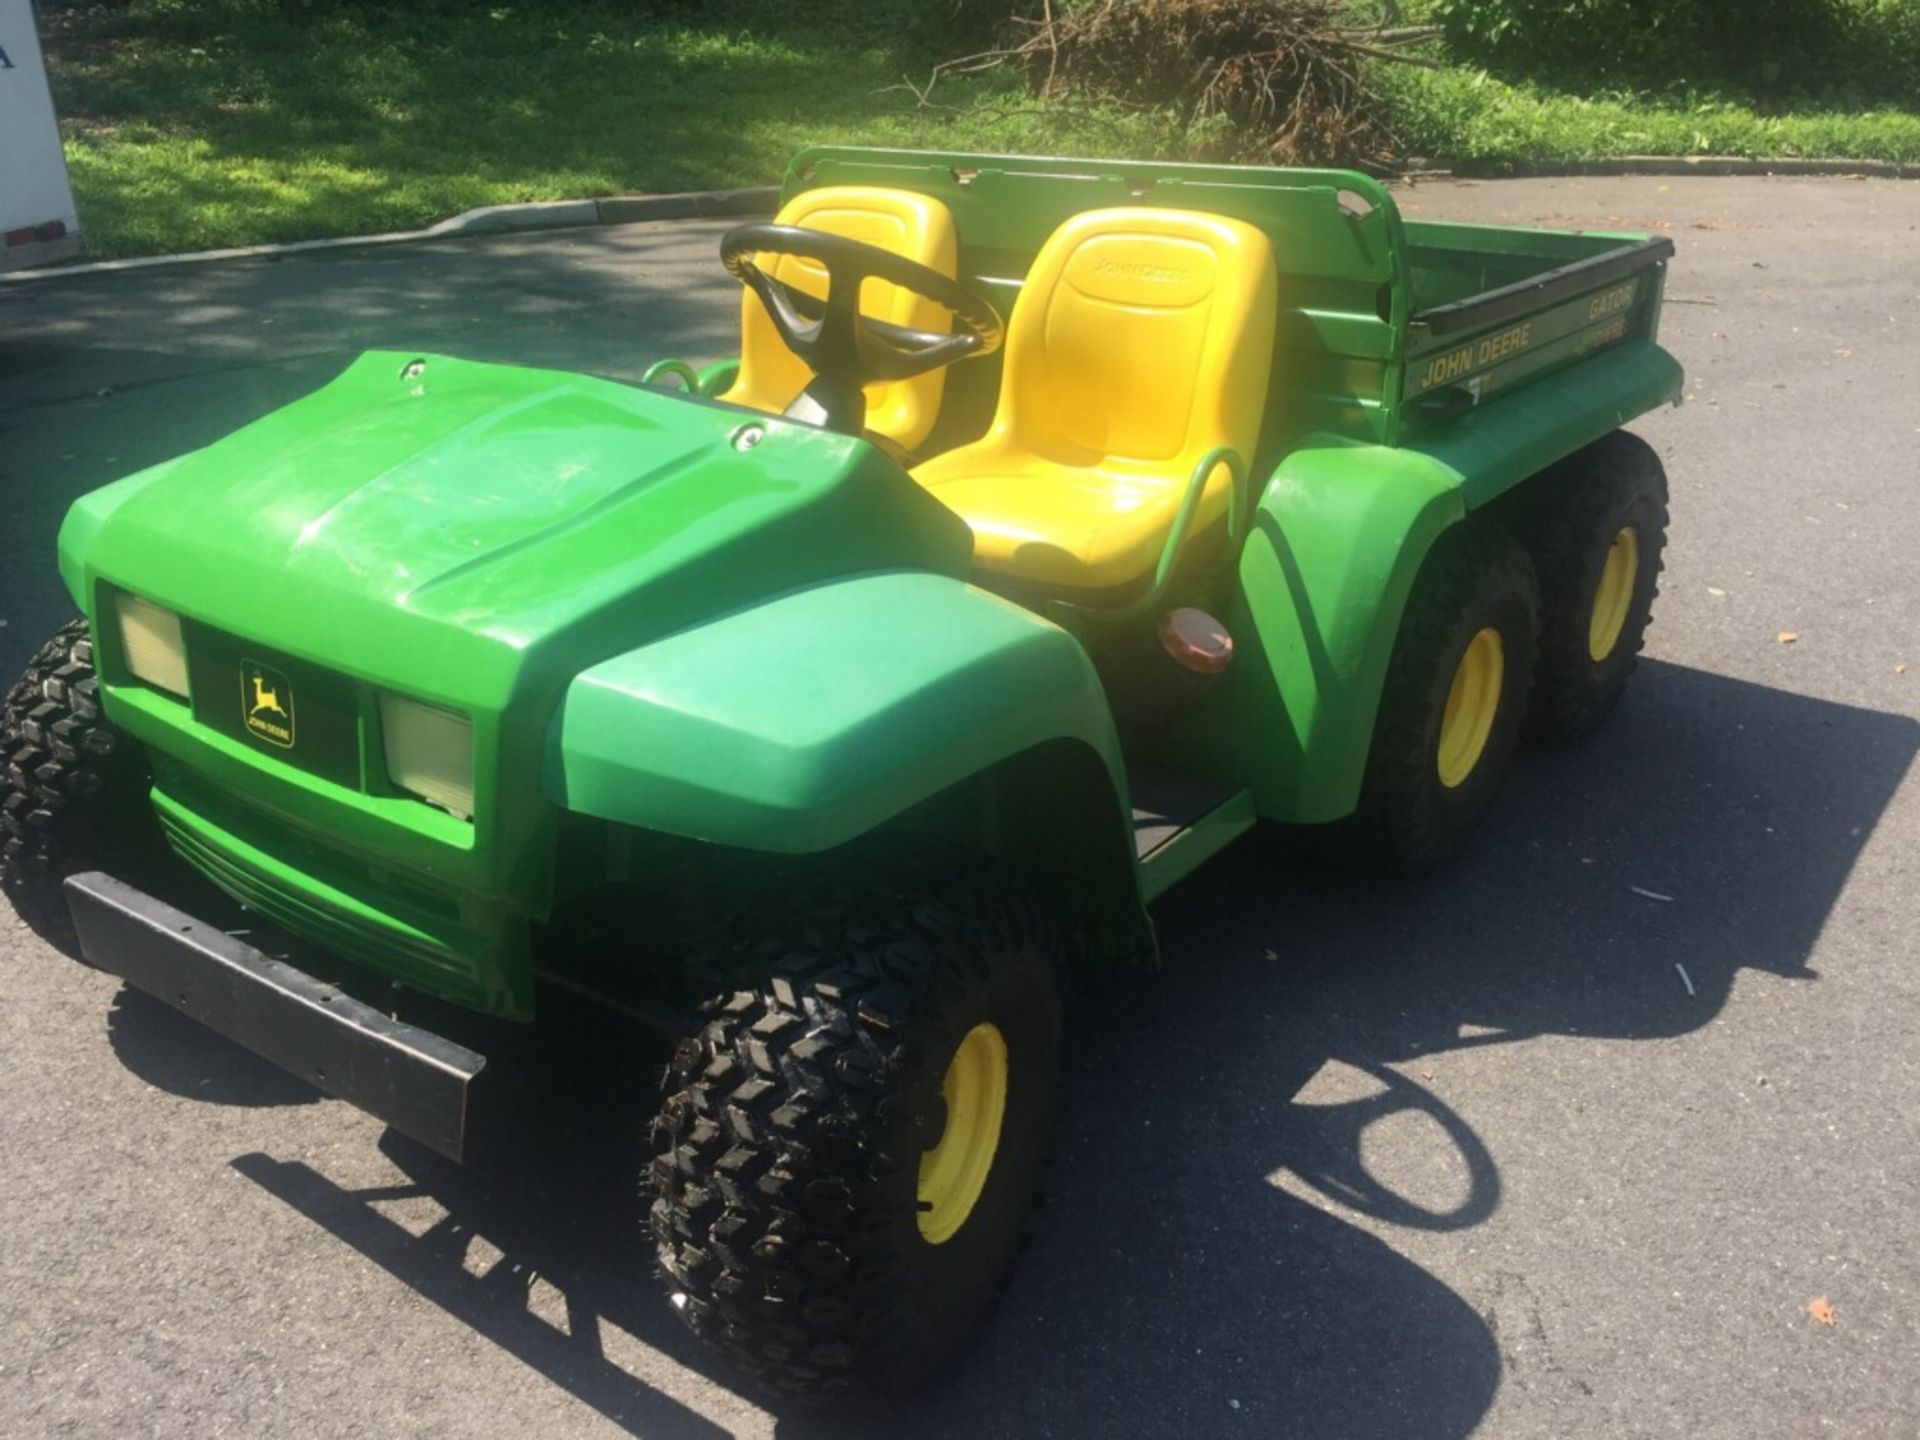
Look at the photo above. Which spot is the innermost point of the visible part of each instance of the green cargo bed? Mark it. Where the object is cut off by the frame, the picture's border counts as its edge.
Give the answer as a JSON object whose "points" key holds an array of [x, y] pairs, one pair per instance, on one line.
{"points": [[1389, 329]]}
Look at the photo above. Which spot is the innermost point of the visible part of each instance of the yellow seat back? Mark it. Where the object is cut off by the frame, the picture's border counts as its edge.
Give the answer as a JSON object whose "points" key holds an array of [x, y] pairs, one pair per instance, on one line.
{"points": [[1142, 339], [916, 226]]}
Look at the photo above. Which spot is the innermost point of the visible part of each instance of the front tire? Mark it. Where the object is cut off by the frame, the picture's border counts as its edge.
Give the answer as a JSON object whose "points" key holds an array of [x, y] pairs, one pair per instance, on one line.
{"points": [[849, 1151], [72, 786], [1454, 699]]}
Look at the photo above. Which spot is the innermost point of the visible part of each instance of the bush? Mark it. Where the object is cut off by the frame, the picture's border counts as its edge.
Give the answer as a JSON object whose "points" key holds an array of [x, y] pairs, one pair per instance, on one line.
{"points": [[1755, 46], [1883, 50]]}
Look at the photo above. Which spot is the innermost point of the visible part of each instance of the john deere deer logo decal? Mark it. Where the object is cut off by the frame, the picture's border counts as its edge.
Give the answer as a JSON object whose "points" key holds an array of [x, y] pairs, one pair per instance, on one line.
{"points": [[266, 700]]}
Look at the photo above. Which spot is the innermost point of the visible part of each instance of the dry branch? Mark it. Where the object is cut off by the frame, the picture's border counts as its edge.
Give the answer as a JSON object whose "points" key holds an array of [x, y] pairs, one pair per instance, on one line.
{"points": [[1289, 76]]}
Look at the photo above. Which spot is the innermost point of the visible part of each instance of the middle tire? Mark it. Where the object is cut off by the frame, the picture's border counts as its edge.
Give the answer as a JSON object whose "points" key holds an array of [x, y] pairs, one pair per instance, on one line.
{"points": [[1454, 699], [848, 1152]]}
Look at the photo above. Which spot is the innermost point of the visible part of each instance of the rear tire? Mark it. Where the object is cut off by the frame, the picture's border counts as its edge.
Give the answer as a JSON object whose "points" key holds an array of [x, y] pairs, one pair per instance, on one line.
{"points": [[804, 1218], [1454, 699], [72, 786], [1597, 529]]}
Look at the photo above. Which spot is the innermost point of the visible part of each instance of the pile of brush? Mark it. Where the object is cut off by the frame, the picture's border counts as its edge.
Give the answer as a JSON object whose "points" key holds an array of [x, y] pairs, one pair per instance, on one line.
{"points": [[1283, 81]]}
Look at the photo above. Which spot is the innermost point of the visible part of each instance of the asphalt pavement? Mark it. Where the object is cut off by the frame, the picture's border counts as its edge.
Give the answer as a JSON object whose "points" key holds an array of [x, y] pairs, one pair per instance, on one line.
{"points": [[1562, 1141]]}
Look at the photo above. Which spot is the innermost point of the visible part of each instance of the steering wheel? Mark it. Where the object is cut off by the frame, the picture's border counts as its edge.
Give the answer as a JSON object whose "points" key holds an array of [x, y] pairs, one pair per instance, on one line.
{"points": [[845, 349]]}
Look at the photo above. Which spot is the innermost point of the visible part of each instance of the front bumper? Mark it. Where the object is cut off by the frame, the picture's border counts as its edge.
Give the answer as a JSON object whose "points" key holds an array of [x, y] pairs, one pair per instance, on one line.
{"points": [[418, 1082]]}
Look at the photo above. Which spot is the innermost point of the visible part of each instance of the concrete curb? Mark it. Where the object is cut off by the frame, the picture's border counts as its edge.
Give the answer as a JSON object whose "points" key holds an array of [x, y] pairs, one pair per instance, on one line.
{"points": [[1657, 165], [764, 199], [486, 220], [614, 210]]}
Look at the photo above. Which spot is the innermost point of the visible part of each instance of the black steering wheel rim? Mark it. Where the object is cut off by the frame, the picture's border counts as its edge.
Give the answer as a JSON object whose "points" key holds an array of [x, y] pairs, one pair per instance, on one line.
{"points": [[836, 341]]}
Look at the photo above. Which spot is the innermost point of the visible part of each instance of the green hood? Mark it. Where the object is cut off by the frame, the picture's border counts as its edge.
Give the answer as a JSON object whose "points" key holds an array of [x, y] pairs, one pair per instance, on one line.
{"points": [[438, 524]]}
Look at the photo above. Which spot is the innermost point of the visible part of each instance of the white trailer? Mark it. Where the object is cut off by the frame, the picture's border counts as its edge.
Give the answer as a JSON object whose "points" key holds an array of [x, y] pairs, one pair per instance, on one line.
{"points": [[38, 223]]}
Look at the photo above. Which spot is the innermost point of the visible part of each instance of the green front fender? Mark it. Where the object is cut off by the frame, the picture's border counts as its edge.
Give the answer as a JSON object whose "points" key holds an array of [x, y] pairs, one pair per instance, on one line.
{"points": [[816, 717]]}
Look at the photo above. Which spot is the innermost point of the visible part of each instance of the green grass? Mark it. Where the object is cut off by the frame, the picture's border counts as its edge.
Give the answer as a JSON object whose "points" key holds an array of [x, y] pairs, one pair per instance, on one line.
{"points": [[1467, 115], [202, 123]]}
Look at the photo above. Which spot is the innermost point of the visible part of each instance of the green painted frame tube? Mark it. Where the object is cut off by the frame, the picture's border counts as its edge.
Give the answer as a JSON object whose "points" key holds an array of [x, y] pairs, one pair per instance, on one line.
{"points": [[672, 369], [1155, 594]]}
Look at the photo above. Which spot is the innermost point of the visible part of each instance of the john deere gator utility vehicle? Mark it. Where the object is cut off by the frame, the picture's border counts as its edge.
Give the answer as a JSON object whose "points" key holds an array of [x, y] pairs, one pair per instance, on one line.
{"points": [[1058, 522]]}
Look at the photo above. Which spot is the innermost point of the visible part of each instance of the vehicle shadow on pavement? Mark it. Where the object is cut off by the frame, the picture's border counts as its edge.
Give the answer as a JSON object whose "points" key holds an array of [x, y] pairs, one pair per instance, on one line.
{"points": [[1208, 1258], [537, 1242]]}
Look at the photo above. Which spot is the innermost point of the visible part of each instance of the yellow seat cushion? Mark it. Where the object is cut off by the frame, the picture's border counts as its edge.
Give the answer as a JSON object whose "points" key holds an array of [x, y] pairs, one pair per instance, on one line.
{"points": [[1080, 526], [1142, 338], [916, 226]]}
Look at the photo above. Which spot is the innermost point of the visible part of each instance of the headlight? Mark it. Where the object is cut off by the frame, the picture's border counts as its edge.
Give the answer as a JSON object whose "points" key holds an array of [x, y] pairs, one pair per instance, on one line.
{"points": [[429, 753], [150, 641]]}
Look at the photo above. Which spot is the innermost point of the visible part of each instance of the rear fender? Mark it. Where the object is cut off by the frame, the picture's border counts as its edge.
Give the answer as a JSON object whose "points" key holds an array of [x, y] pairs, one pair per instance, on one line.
{"points": [[1337, 538], [1337, 542]]}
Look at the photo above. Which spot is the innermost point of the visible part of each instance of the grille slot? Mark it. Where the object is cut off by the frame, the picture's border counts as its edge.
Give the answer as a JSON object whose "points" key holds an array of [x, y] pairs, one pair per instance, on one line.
{"points": [[393, 948]]}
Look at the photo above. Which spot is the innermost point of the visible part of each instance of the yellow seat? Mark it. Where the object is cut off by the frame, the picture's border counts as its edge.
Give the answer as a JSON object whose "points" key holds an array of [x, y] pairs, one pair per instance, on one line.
{"points": [[1142, 339], [916, 226]]}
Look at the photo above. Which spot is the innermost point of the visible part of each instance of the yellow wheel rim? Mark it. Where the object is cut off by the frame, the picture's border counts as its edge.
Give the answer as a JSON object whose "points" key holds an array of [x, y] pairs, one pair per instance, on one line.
{"points": [[1472, 703], [1614, 597], [954, 1171]]}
